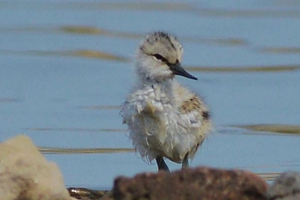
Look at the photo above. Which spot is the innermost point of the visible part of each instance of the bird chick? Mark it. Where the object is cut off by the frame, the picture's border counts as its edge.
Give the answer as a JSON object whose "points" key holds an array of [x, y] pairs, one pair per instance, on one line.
{"points": [[164, 118]]}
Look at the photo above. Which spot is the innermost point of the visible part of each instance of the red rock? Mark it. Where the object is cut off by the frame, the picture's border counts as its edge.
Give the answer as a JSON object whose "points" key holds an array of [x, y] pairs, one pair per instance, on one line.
{"points": [[191, 184]]}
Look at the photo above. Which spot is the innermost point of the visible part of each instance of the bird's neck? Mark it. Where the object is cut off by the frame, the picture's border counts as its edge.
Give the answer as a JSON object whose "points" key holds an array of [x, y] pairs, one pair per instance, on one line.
{"points": [[161, 88]]}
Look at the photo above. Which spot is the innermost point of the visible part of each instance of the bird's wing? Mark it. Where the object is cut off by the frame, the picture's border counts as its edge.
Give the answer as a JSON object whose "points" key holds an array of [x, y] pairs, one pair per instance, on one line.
{"points": [[140, 102]]}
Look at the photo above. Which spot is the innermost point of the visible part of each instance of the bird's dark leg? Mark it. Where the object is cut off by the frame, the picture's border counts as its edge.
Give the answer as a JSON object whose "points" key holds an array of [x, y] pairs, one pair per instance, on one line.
{"points": [[161, 164], [185, 162]]}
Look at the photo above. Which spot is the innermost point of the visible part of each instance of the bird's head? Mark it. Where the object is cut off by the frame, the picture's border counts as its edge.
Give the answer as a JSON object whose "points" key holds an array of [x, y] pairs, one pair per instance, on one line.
{"points": [[159, 58]]}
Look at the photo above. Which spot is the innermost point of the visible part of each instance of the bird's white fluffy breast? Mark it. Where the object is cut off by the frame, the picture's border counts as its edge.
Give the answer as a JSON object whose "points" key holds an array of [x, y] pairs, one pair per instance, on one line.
{"points": [[158, 127]]}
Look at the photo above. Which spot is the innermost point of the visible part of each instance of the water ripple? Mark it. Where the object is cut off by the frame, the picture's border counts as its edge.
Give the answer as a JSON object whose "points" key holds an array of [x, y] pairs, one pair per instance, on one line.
{"points": [[75, 129], [276, 128], [74, 53], [49, 150], [280, 68]]}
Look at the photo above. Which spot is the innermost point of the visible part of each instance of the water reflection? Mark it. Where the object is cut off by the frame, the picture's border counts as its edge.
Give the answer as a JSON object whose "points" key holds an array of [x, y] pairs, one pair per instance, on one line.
{"points": [[244, 69], [76, 129], [75, 53], [100, 107], [8, 100], [281, 50], [277, 128], [248, 13], [49, 150]]}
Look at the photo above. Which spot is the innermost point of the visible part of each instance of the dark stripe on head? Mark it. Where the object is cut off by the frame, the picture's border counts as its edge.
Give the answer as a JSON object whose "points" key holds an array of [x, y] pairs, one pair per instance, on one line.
{"points": [[167, 37]]}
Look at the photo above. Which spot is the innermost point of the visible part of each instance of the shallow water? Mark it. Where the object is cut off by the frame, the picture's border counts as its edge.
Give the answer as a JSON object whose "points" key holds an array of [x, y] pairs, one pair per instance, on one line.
{"points": [[65, 69]]}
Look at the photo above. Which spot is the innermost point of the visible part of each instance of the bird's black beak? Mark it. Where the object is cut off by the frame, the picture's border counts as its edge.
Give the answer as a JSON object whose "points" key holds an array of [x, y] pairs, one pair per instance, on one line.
{"points": [[178, 70]]}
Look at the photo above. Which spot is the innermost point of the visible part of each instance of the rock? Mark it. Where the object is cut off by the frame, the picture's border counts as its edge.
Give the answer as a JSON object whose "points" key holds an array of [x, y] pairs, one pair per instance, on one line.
{"points": [[88, 194], [285, 187], [191, 184], [26, 175]]}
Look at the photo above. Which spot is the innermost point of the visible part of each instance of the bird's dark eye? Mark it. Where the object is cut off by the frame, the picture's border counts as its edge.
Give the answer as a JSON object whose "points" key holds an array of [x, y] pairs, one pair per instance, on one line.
{"points": [[159, 57]]}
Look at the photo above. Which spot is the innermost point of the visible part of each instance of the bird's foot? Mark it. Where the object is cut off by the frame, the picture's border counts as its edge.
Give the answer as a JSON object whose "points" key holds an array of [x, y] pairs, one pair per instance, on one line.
{"points": [[161, 164], [185, 162]]}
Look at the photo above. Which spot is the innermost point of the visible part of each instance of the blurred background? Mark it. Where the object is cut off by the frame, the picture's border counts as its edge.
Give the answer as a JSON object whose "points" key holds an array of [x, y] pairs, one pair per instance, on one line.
{"points": [[66, 67]]}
